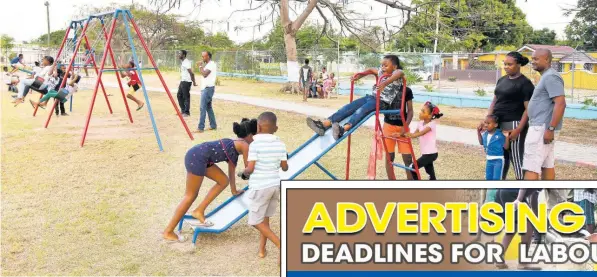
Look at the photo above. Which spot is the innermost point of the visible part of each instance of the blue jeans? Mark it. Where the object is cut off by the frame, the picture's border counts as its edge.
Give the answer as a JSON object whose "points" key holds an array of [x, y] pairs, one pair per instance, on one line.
{"points": [[357, 110], [207, 95], [494, 169]]}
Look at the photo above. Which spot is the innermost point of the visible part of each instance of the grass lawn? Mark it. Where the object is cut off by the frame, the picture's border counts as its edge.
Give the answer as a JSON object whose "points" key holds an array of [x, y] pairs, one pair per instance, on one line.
{"points": [[100, 209]]}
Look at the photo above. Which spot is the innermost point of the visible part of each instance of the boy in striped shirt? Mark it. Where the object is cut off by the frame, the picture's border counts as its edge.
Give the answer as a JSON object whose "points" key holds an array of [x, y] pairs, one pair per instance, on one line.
{"points": [[267, 154]]}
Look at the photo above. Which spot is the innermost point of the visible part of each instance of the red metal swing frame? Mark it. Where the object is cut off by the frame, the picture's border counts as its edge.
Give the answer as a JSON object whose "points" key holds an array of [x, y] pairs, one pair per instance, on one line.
{"points": [[379, 130]]}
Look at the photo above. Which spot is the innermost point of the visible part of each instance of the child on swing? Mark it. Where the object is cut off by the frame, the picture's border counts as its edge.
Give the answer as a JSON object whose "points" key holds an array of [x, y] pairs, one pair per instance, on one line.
{"points": [[61, 95], [133, 82]]}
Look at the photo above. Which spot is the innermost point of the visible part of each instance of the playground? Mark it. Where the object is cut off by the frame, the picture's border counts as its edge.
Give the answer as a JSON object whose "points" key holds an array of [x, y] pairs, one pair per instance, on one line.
{"points": [[90, 193], [105, 204]]}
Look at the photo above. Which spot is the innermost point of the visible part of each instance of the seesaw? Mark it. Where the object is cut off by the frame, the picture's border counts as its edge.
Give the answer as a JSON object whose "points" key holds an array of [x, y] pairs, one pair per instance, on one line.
{"points": [[236, 207], [223, 217]]}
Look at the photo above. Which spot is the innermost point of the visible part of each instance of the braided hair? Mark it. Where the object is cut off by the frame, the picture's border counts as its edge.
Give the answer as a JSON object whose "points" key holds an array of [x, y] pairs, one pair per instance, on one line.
{"points": [[519, 58]]}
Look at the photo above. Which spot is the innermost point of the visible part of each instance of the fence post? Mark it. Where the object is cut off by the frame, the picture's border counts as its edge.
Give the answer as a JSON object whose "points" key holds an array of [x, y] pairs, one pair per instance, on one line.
{"points": [[573, 68], [236, 61], [439, 74]]}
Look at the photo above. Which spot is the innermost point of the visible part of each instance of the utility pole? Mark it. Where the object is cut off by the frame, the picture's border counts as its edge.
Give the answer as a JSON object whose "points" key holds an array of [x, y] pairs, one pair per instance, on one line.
{"points": [[47, 4], [436, 28], [253, 52], [435, 43]]}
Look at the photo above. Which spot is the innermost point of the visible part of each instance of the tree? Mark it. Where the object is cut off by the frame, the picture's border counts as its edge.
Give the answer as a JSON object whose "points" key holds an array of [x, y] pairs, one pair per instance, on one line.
{"points": [[6, 44], [160, 29], [471, 25], [543, 36], [218, 40], [55, 39], [582, 30], [340, 12]]}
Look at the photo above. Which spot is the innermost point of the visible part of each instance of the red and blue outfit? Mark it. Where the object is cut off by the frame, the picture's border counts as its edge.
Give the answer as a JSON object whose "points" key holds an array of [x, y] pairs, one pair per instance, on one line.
{"points": [[134, 83]]}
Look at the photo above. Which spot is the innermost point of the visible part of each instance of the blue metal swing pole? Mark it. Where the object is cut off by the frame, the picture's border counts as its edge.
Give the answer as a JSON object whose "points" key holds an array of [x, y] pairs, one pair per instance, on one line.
{"points": [[136, 59]]}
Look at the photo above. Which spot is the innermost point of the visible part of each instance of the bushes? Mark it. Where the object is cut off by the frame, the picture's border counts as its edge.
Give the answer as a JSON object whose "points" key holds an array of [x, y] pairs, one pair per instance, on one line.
{"points": [[480, 92], [412, 78]]}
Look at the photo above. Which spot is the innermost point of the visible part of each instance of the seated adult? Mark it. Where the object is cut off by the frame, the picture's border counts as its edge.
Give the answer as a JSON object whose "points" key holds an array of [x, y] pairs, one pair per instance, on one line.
{"points": [[44, 74], [313, 89], [322, 76], [328, 85]]}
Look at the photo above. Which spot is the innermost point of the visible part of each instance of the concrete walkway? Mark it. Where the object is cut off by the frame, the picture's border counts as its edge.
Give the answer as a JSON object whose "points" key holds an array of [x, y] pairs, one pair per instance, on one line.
{"points": [[570, 153]]}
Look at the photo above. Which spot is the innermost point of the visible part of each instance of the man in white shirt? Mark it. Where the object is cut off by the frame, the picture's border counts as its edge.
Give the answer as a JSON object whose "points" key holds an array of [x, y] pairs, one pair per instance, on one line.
{"points": [[208, 70], [187, 77]]}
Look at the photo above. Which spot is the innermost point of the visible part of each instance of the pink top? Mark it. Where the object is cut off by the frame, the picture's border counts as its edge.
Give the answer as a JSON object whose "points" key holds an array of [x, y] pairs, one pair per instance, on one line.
{"points": [[327, 84], [427, 141]]}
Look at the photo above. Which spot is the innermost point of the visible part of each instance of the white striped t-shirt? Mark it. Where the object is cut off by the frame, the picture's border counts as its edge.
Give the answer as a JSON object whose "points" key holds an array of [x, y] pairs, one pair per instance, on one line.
{"points": [[267, 151]]}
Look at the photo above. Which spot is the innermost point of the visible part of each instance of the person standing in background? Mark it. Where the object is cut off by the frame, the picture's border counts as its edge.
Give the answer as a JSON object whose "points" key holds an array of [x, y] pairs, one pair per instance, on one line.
{"points": [[187, 77], [306, 74], [207, 69]]}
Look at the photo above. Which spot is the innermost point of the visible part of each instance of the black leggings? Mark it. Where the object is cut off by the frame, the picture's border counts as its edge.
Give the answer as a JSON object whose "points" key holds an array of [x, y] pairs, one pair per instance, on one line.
{"points": [[515, 154], [426, 161], [60, 107]]}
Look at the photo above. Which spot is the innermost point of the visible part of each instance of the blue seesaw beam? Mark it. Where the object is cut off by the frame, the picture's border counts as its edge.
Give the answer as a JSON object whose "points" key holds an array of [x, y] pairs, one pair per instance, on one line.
{"points": [[306, 155]]}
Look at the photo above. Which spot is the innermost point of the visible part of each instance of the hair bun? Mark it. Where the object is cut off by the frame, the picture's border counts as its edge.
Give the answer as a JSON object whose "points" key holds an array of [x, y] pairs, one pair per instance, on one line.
{"points": [[253, 126], [236, 128], [524, 61]]}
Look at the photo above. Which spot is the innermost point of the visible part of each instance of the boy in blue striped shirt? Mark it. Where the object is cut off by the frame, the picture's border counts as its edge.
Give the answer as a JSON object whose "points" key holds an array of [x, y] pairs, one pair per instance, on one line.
{"points": [[267, 154]]}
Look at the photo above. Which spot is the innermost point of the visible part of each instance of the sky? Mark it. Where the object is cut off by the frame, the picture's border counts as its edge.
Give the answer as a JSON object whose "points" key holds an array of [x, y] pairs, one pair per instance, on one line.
{"points": [[27, 18]]}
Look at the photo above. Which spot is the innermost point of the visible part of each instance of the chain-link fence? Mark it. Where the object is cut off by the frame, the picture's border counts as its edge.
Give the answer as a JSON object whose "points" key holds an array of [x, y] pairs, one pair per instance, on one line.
{"points": [[472, 74]]}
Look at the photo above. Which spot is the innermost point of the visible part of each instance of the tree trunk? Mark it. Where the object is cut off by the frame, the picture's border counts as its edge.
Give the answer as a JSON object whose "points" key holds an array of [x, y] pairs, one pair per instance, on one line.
{"points": [[292, 65], [290, 30]]}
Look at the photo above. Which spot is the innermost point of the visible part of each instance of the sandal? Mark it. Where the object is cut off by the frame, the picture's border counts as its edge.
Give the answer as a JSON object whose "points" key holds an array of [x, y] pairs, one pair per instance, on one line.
{"points": [[141, 107], [197, 223]]}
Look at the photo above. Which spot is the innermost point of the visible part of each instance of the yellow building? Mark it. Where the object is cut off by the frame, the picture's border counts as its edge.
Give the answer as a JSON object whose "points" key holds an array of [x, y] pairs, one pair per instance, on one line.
{"points": [[578, 69]]}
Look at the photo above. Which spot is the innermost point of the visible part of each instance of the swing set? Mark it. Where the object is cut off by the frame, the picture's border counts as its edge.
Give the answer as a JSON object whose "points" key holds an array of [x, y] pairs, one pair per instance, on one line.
{"points": [[81, 34]]}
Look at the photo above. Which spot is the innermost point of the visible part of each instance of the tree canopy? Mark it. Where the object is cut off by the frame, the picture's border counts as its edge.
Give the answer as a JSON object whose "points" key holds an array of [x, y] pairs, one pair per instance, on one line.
{"points": [[582, 30], [543, 36], [55, 38], [471, 25]]}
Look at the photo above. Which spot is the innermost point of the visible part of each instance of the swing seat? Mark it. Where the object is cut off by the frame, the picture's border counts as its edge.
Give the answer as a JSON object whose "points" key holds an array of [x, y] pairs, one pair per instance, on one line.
{"points": [[37, 83], [61, 96]]}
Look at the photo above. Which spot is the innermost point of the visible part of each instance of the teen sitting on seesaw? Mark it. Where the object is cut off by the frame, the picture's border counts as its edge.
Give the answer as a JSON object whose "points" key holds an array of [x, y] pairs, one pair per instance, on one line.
{"points": [[390, 75]]}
